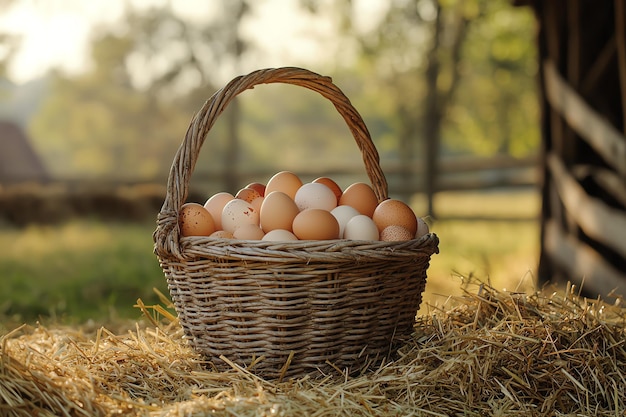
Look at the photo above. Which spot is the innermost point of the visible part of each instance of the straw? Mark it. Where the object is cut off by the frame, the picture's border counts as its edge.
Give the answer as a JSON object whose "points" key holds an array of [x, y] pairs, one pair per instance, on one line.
{"points": [[488, 353]]}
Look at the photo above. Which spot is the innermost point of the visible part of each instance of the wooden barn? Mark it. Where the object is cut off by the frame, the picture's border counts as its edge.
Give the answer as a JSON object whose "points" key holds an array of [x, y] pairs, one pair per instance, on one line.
{"points": [[18, 161], [582, 58]]}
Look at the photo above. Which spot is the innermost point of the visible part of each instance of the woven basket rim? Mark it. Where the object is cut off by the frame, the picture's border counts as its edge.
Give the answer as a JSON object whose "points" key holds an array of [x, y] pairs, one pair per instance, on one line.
{"points": [[329, 251]]}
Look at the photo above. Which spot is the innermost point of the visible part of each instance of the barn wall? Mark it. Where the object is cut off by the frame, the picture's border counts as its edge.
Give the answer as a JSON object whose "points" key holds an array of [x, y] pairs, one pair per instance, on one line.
{"points": [[582, 49]]}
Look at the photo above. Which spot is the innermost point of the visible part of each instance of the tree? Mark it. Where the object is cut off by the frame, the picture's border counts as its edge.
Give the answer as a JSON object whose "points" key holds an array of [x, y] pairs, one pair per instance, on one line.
{"points": [[130, 111]]}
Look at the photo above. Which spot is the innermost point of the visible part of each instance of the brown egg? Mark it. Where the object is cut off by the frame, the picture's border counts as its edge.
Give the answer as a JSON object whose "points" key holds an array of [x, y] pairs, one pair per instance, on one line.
{"points": [[257, 203], [360, 196], [247, 194], [284, 181], [260, 188], [248, 232], [277, 211], [215, 205], [334, 187], [315, 224], [395, 233], [222, 234], [395, 212], [195, 220]]}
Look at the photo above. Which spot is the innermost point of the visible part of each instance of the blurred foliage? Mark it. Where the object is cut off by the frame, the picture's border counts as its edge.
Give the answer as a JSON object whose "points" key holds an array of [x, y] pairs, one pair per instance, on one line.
{"points": [[126, 115]]}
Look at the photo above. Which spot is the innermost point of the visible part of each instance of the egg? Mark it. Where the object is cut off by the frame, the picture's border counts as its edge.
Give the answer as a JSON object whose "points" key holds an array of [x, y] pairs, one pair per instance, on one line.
{"points": [[361, 196], [248, 232], [215, 204], [277, 211], [422, 228], [237, 213], [247, 194], [284, 181], [361, 227], [343, 214], [259, 187], [257, 203], [278, 235], [315, 195], [334, 187], [195, 220], [395, 212], [315, 224], [222, 234], [395, 233]]}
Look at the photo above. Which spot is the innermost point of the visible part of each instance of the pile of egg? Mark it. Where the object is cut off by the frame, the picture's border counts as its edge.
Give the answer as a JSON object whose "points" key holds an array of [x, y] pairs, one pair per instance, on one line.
{"points": [[286, 209]]}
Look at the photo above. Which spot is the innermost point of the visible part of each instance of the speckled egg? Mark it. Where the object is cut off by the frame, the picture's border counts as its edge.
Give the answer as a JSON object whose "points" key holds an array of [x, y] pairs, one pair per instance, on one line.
{"points": [[195, 220], [237, 213]]}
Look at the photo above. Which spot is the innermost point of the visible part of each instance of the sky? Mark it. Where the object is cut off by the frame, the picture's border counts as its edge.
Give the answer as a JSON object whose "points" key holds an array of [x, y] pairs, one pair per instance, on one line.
{"points": [[55, 33]]}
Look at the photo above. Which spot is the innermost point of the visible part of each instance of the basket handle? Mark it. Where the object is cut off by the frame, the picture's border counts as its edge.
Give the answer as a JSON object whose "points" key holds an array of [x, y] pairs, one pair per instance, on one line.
{"points": [[166, 236]]}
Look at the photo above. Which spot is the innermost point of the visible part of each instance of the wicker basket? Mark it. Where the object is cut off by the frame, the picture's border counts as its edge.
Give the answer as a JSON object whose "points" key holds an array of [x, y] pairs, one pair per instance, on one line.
{"points": [[286, 309]]}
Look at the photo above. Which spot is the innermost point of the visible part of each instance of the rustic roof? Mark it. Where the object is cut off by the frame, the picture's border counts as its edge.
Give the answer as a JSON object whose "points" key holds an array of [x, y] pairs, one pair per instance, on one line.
{"points": [[18, 160]]}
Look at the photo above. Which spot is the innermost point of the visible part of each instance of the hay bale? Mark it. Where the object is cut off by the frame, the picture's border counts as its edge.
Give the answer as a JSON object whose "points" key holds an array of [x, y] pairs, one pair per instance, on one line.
{"points": [[492, 353]]}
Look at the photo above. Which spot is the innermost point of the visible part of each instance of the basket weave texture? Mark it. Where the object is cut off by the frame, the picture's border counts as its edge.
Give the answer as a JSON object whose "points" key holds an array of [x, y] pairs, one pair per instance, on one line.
{"points": [[287, 309]]}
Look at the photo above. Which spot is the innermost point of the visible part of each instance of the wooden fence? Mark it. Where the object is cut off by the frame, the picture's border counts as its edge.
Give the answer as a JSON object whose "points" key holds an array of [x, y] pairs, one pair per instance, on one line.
{"points": [[53, 201]]}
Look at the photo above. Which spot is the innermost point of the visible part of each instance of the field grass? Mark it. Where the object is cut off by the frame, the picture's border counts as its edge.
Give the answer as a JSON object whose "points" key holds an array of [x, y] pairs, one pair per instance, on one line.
{"points": [[88, 269], [504, 252]]}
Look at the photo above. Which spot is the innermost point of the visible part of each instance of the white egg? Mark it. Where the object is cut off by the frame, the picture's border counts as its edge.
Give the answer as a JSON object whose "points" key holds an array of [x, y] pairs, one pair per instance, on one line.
{"points": [[361, 227], [422, 228], [237, 213], [315, 195], [343, 214]]}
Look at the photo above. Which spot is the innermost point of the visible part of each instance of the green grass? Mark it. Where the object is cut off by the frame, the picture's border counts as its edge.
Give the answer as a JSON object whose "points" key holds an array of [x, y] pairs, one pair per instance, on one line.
{"points": [[77, 271], [85, 269]]}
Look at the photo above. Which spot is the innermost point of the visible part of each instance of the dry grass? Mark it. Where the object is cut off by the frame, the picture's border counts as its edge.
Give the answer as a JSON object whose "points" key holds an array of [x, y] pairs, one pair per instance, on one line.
{"points": [[491, 353]]}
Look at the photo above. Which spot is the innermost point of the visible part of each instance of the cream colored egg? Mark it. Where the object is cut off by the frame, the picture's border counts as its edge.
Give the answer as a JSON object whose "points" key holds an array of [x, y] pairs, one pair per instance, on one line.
{"points": [[237, 213], [343, 214], [330, 183], [315, 195], [279, 235], [215, 204], [361, 227]]}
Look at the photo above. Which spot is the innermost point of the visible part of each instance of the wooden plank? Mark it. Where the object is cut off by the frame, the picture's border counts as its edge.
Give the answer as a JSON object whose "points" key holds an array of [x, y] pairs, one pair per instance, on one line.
{"points": [[582, 263], [599, 67], [599, 221], [620, 36], [590, 125], [606, 179]]}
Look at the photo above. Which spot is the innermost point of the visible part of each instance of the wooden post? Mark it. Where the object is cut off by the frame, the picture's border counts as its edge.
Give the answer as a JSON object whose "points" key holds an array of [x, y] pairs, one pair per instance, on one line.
{"points": [[620, 38]]}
